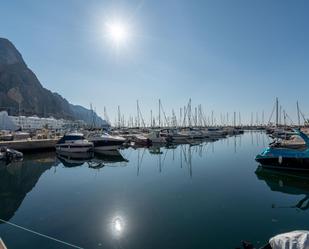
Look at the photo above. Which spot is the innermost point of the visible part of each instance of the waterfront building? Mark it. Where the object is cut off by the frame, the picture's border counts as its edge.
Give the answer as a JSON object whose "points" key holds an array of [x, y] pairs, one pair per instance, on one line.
{"points": [[35, 123]]}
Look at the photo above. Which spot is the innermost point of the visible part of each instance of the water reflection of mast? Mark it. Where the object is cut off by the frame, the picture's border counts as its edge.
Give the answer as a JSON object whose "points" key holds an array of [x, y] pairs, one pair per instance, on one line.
{"points": [[240, 141], [235, 150], [190, 162], [139, 160], [257, 138], [188, 158], [162, 162], [181, 149], [200, 152], [251, 133]]}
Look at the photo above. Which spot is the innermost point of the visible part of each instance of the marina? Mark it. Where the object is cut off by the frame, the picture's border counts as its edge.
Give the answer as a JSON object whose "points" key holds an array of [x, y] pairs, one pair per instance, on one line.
{"points": [[167, 172], [154, 124], [144, 189]]}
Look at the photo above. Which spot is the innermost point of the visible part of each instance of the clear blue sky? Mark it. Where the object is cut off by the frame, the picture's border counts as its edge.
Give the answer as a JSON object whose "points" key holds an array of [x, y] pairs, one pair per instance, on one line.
{"points": [[233, 55]]}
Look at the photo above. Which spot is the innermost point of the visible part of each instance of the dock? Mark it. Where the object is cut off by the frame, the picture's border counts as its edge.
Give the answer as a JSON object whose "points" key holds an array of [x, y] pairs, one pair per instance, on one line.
{"points": [[30, 144]]}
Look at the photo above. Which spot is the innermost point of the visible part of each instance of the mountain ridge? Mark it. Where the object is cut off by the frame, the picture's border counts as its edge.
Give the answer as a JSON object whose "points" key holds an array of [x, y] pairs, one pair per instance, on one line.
{"points": [[22, 93]]}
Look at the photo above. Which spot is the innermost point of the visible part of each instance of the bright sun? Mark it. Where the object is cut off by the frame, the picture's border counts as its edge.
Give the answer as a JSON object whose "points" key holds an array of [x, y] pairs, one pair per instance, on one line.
{"points": [[117, 32]]}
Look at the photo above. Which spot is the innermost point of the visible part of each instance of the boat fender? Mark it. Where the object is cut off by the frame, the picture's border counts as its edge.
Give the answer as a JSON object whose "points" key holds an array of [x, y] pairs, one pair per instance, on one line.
{"points": [[280, 159]]}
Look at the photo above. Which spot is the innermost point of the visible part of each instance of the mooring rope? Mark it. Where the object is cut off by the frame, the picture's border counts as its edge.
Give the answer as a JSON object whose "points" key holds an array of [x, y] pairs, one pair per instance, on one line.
{"points": [[40, 234]]}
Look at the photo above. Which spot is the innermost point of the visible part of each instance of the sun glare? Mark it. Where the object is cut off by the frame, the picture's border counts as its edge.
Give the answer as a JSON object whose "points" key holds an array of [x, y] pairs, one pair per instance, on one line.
{"points": [[117, 32]]}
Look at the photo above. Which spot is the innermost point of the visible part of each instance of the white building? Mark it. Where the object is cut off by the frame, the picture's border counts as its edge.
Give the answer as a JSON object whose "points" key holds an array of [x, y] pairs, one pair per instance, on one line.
{"points": [[6, 122], [34, 122]]}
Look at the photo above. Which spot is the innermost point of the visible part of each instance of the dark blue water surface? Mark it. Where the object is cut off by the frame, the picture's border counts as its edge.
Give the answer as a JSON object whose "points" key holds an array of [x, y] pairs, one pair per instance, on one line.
{"points": [[203, 196]]}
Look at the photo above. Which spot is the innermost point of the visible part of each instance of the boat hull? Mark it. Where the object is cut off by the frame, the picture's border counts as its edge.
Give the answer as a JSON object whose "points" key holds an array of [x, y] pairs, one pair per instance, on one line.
{"points": [[292, 163]]}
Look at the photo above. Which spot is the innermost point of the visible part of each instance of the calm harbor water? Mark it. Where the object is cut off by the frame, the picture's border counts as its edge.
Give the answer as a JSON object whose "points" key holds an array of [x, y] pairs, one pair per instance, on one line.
{"points": [[203, 196]]}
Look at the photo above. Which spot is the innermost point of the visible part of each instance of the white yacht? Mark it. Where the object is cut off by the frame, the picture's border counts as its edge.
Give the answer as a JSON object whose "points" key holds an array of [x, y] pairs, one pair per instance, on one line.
{"points": [[103, 142], [156, 137], [74, 142], [172, 135], [192, 133]]}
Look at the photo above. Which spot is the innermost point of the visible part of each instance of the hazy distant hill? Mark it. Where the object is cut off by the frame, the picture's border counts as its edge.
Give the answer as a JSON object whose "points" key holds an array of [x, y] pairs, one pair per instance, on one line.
{"points": [[21, 91]]}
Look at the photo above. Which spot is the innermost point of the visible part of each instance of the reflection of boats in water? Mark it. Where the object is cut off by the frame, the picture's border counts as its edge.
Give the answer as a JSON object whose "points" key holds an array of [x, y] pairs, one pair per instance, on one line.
{"points": [[93, 160], [156, 149], [111, 156], [74, 159], [9, 155], [288, 183]]}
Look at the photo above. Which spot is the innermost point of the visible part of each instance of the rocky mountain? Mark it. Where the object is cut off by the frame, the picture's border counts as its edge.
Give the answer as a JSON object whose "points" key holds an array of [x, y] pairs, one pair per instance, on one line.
{"points": [[22, 92]]}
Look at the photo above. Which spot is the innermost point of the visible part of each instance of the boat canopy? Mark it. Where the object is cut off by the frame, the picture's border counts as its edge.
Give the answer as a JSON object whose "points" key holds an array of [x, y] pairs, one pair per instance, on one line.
{"points": [[291, 240]]}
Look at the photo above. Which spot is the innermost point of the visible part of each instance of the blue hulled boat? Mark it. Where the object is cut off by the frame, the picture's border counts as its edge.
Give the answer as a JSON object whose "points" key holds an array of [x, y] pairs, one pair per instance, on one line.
{"points": [[286, 158]]}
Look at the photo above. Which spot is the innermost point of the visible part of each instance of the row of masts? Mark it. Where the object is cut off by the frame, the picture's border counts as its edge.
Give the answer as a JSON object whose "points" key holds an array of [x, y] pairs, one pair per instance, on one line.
{"points": [[187, 116], [283, 119]]}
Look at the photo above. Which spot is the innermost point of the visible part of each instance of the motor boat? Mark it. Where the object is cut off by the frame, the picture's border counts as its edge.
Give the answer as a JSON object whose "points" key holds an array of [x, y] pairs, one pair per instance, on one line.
{"points": [[286, 158], [141, 140], [10, 154], [75, 143], [103, 142], [6, 136], [298, 239]]}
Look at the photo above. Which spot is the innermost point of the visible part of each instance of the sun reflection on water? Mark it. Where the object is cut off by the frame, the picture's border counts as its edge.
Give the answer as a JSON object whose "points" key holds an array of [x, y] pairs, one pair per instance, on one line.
{"points": [[118, 226]]}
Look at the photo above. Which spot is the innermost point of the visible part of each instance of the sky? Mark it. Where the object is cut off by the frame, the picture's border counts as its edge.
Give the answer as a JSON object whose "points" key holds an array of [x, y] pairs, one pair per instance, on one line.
{"points": [[227, 55]]}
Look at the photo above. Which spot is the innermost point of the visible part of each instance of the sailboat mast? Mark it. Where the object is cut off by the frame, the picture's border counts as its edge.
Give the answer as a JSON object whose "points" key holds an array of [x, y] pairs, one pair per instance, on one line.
{"points": [[159, 113], [277, 111], [298, 116]]}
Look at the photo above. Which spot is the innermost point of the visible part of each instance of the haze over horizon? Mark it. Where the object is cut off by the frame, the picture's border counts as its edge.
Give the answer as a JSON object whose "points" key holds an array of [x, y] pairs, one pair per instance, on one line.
{"points": [[226, 55]]}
